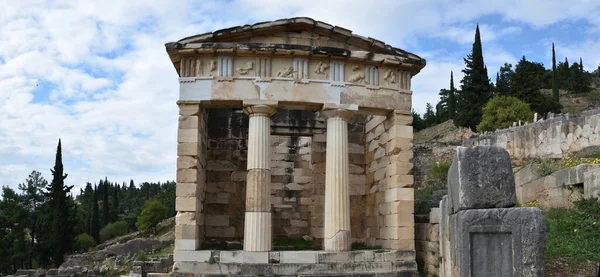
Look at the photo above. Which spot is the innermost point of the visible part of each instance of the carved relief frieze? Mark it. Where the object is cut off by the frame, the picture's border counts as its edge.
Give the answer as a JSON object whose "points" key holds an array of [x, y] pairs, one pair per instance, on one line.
{"points": [[244, 69], [389, 77], [322, 68], [358, 77], [287, 72], [212, 66]]}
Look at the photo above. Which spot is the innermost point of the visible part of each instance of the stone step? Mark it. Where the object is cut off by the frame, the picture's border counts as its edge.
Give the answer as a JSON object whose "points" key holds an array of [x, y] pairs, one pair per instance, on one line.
{"points": [[296, 269]]}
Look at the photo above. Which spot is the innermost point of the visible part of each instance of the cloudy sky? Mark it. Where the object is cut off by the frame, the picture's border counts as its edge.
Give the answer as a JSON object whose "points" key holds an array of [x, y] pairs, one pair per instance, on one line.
{"points": [[96, 74]]}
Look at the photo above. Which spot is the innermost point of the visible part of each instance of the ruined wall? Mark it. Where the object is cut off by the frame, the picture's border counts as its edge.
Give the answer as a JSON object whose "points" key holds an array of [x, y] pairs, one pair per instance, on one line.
{"points": [[427, 244], [389, 186], [550, 138]]}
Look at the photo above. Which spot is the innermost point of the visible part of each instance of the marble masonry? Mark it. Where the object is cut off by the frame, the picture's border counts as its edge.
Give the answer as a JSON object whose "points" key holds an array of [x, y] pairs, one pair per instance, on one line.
{"points": [[294, 129]]}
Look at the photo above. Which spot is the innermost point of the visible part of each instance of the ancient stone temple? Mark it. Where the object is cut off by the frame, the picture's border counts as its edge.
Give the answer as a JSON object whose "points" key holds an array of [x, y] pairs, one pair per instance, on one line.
{"points": [[294, 129]]}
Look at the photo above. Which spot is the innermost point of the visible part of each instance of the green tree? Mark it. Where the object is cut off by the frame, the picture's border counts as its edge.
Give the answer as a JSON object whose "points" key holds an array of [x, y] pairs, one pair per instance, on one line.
{"points": [[475, 88], [429, 116], [105, 204], [579, 80], [501, 111], [34, 198], [115, 203], [503, 80], [555, 94], [15, 250], [417, 122], [95, 216], [525, 84], [113, 230], [83, 243], [446, 108], [61, 230], [153, 213]]}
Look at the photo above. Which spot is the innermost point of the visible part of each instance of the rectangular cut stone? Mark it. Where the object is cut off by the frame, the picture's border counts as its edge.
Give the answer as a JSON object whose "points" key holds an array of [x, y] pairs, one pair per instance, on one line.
{"points": [[396, 145], [191, 256], [398, 131], [189, 109], [434, 215], [591, 184], [187, 232], [399, 181], [398, 207], [402, 233], [298, 257], [398, 168], [244, 257], [399, 194], [187, 175], [514, 237], [187, 135], [185, 162], [187, 204], [188, 122], [187, 189], [217, 220], [399, 220], [481, 177], [187, 244], [188, 149]]}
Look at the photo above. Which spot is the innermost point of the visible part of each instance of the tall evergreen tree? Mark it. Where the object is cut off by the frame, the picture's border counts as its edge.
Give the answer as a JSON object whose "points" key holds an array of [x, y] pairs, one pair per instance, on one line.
{"points": [[475, 88], [115, 203], [61, 232], [555, 94], [94, 230], [417, 122], [34, 197], [105, 204], [503, 80], [452, 98]]}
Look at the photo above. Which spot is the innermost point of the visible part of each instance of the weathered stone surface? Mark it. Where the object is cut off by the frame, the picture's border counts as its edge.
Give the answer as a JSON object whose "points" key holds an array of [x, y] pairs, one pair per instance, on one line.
{"points": [[498, 242], [591, 184], [481, 177]]}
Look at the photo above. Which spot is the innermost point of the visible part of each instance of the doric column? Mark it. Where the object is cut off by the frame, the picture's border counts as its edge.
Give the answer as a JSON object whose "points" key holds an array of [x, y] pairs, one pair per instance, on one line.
{"points": [[257, 226], [337, 196]]}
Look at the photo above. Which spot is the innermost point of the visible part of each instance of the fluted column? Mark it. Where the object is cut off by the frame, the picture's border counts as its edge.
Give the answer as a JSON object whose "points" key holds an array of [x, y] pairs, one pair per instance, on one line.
{"points": [[257, 225], [337, 235]]}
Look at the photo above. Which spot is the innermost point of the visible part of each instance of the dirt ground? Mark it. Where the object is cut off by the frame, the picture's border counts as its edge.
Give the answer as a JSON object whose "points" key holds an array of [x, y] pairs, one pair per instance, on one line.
{"points": [[557, 267]]}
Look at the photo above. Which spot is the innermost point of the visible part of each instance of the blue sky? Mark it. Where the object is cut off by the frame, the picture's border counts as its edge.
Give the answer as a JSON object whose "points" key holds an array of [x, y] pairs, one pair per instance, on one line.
{"points": [[95, 73]]}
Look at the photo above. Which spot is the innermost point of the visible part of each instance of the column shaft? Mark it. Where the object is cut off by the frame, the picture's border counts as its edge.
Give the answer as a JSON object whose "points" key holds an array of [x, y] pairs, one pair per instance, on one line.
{"points": [[337, 235], [257, 225]]}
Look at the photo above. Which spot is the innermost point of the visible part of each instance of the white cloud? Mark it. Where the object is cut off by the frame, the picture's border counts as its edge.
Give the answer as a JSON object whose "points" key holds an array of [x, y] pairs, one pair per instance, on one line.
{"points": [[114, 88]]}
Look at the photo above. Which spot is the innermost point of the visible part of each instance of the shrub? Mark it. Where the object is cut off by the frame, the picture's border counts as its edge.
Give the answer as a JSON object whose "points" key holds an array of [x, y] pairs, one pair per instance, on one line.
{"points": [[113, 230], [153, 213], [501, 111], [439, 171], [83, 242]]}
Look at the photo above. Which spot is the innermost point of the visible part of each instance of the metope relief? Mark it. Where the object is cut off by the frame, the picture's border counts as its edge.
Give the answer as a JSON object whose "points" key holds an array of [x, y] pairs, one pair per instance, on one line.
{"points": [[358, 77], [287, 72], [244, 69], [389, 77], [321, 68]]}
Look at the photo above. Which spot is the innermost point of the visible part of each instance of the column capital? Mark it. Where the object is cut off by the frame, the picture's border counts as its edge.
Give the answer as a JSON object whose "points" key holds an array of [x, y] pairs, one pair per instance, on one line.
{"points": [[260, 110], [337, 112]]}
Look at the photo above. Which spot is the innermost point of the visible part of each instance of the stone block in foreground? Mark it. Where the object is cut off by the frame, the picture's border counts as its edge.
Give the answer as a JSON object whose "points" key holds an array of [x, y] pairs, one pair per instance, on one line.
{"points": [[481, 177], [498, 242]]}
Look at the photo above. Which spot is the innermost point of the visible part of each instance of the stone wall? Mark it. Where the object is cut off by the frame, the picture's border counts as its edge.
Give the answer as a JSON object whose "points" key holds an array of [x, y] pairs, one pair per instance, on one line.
{"points": [[427, 245], [550, 138], [389, 190]]}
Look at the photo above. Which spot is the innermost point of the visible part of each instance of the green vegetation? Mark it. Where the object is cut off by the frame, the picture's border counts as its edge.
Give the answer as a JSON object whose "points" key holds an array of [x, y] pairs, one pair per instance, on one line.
{"points": [[83, 243], [153, 213], [292, 244], [439, 172], [501, 111], [549, 166], [113, 230], [359, 245], [42, 221], [574, 234]]}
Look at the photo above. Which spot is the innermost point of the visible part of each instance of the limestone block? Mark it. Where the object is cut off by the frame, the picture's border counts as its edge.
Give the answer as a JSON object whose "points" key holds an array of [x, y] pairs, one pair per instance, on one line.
{"points": [[374, 122], [398, 168], [396, 244], [481, 177], [186, 218], [402, 156], [395, 232], [187, 231], [191, 256], [217, 220], [396, 145], [189, 175], [220, 232], [399, 181], [187, 135], [399, 131], [189, 109], [188, 204], [397, 207], [399, 194], [591, 184], [428, 232], [295, 257], [187, 244], [404, 219], [515, 237], [187, 189], [188, 122], [184, 162], [434, 216], [188, 149]]}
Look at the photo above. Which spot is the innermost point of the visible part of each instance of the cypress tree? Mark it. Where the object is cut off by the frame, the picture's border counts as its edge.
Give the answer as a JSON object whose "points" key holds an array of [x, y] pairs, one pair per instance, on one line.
{"points": [[115, 202], [555, 93], [61, 230], [105, 205], [95, 218], [475, 88], [452, 98]]}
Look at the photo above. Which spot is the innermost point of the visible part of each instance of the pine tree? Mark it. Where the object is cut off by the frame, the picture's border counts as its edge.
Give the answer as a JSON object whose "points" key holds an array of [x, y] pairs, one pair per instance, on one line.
{"points": [[555, 94], [34, 197], [61, 230], [417, 122], [429, 116], [105, 204], [452, 98], [475, 88]]}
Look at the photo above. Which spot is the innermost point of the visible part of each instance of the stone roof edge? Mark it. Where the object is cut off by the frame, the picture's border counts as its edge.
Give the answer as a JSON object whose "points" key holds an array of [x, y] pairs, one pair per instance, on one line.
{"points": [[339, 31]]}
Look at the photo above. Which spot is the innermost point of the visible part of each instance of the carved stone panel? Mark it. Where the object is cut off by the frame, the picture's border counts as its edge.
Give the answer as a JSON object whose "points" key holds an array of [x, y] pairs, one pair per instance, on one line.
{"points": [[263, 67], [225, 66]]}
